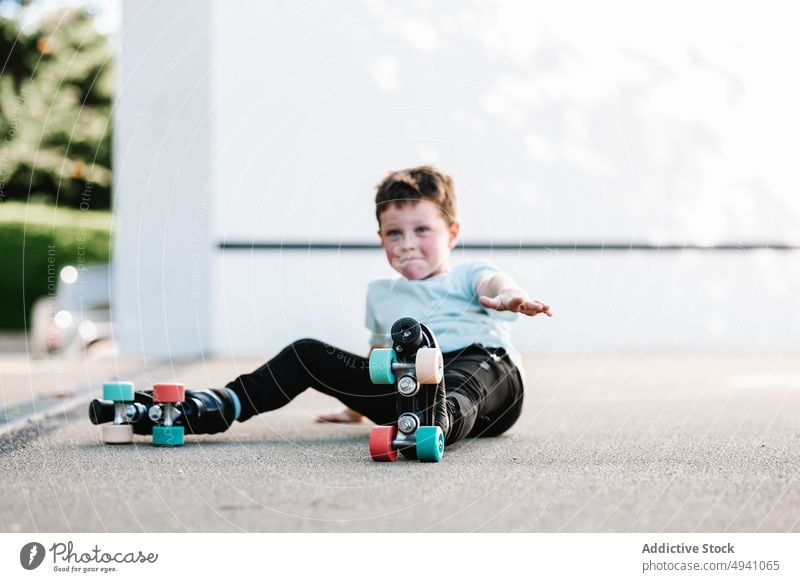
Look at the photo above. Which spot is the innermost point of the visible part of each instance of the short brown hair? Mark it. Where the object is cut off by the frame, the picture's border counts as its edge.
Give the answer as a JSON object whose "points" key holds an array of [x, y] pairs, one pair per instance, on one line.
{"points": [[413, 184]]}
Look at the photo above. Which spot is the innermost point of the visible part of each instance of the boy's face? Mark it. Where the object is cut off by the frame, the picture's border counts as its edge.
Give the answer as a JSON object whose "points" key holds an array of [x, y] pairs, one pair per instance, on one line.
{"points": [[416, 238]]}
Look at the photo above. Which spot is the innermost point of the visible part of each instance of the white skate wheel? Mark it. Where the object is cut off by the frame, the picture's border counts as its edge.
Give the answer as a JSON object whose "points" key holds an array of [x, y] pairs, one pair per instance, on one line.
{"points": [[430, 366], [117, 434]]}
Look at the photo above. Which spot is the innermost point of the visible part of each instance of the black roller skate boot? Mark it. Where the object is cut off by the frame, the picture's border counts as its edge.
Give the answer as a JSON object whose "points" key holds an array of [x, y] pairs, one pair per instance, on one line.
{"points": [[207, 411], [202, 412], [415, 366]]}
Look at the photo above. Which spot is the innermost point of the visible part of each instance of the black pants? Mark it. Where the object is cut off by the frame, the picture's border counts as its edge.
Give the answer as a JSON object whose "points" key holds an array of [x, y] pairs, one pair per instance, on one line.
{"points": [[484, 388]]}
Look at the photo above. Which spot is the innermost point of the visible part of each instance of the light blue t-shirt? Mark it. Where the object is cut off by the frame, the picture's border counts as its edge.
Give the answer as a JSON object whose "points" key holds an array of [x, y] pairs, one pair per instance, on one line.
{"points": [[447, 304]]}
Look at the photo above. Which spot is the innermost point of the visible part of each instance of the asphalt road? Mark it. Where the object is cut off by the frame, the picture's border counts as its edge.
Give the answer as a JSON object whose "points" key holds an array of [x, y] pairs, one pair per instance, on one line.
{"points": [[607, 443]]}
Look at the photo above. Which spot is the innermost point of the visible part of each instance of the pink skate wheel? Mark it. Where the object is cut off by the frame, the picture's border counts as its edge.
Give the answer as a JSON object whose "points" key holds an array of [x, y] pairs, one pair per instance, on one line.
{"points": [[169, 393], [430, 365], [380, 443]]}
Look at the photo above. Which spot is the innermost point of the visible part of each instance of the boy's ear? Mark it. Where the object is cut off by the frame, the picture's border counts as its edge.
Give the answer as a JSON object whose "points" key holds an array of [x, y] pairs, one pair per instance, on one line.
{"points": [[454, 230]]}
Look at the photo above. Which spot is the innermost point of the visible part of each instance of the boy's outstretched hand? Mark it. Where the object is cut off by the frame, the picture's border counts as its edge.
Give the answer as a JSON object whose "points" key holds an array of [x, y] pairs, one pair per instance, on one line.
{"points": [[510, 301]]}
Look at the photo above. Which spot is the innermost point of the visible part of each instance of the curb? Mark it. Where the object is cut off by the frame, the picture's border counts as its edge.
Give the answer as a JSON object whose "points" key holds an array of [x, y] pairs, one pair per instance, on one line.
{"points": [[34, 412]]}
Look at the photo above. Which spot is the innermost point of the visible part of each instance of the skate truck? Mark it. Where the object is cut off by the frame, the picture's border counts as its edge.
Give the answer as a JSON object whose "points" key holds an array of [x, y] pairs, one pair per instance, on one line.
{"points": [[415, 366], [118, 412]]}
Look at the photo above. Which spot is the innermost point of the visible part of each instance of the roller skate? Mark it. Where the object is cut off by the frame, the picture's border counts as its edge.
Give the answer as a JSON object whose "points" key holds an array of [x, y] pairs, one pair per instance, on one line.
{"points": [[415, 366], [167, 413]]}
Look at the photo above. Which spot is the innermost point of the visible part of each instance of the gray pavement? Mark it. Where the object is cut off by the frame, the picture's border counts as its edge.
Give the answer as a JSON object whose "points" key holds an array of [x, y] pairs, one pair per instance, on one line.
{"points": [[607, 443], [25, 377]]}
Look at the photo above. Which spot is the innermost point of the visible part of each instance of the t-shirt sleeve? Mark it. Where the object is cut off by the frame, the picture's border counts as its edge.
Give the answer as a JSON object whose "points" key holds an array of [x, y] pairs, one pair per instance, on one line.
{"points": [[377, 335], [473, 273]]}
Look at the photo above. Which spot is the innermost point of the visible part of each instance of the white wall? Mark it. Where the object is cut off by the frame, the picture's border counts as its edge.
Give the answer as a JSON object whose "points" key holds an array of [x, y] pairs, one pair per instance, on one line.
{"points": [[162, 152], [563, 124]]}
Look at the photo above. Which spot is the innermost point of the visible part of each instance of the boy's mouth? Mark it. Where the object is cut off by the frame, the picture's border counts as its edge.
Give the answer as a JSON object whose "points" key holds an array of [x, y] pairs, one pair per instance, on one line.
{"points": [[404, 262]]}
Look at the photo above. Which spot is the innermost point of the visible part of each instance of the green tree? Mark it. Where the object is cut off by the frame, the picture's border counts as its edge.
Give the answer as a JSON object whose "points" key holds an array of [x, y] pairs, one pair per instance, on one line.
{"points": [[56, 89]]}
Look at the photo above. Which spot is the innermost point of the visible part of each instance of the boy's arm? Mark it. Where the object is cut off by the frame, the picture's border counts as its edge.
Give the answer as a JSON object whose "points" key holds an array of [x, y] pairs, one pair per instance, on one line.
{"points": [[499, 291]]}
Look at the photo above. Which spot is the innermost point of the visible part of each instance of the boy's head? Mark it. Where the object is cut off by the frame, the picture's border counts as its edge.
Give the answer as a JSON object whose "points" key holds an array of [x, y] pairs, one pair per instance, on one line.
{"points": [[416, 212]]}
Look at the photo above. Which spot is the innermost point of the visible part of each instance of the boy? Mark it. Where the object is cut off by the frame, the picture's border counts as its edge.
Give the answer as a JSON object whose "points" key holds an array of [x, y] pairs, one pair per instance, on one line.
{"points": [[415, 209]]}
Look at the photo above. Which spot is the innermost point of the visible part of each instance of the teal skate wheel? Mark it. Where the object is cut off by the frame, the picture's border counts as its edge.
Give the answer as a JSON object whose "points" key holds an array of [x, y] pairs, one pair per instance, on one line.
{"points": [[380, 366], [118, 391], [430, 444], [168, 436]]}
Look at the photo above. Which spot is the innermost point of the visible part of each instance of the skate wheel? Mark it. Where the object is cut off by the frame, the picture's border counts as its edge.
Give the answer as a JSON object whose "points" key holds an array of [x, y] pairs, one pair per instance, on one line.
{"points": [[168, 436], [118, 391], [430, 366], [430, 444], [169, 393], [117, 434], [380, 443], [380, 366]]}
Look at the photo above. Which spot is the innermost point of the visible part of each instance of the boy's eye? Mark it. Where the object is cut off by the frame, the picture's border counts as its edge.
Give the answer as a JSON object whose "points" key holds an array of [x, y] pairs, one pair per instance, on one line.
{"points": [[419, 229]]}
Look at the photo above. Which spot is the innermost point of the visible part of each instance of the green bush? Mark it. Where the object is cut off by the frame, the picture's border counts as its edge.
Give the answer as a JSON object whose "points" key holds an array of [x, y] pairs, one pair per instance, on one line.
{"points": [[55, 108], [36, 240]]}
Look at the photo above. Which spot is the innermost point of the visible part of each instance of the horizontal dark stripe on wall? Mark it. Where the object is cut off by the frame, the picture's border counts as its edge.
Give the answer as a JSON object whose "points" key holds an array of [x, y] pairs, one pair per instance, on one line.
{"points": [[536, 247]]}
